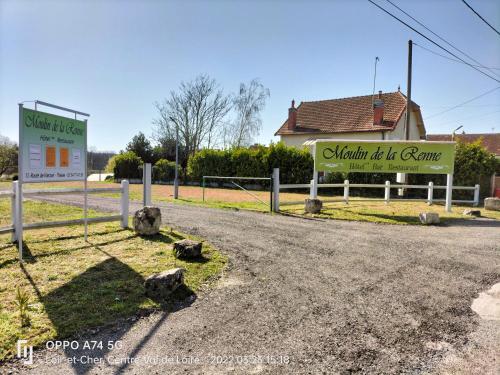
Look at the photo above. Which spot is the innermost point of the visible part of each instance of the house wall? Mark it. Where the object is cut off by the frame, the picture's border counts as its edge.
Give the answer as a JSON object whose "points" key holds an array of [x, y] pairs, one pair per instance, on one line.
{"points": [[399, 132], [297, 140]]}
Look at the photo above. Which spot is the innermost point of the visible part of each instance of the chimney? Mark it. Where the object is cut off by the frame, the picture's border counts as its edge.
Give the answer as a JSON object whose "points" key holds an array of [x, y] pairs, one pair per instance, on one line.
{"points": [[378, 110], [292, 116]]}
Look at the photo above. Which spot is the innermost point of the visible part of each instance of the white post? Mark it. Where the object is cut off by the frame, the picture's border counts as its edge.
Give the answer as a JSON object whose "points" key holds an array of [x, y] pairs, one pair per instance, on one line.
{"points": [[276, 190], [146, 184], [430, 193], [476, 195], [346, 191], [19, 187], [176, 178], [387, 195], [13, 214], [401, 178], [19, 217], [124, 204], [85, 194], [449, 191], [314, 186]]}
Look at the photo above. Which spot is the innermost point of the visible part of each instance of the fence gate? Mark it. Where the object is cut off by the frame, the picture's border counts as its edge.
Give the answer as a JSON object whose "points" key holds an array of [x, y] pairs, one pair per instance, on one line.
{"points": [[239, 186]]}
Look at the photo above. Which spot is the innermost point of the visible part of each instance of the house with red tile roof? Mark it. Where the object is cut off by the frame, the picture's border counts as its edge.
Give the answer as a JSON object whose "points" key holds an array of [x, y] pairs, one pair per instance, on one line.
{"points": [[362, 117], [490, 141]]}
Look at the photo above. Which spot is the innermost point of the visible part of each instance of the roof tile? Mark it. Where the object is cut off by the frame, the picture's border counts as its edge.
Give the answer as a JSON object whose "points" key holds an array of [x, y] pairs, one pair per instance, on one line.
{"points": [[354, 114]]}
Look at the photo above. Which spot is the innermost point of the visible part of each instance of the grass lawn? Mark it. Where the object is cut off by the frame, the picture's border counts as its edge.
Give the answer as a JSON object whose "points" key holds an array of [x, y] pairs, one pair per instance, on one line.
{"points": [[392, 213], [73, 285]]}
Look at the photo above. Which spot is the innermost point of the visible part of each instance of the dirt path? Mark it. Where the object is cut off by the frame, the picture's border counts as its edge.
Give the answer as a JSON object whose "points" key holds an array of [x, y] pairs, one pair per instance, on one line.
{"points": [[320, 295]]}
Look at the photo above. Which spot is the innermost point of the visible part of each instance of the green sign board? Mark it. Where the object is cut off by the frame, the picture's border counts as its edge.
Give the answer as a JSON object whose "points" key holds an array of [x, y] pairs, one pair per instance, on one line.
{"points": [[385, 156], [53, 148]]}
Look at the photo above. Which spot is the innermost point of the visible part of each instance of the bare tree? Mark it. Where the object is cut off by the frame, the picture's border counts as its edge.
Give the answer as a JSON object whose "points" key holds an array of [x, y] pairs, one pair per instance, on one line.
{"points": [[197, 110], [248, 104]]}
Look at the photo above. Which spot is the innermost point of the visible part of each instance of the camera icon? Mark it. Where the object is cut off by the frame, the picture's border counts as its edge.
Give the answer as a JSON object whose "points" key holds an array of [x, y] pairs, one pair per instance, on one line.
{"points": [[25, 352]]}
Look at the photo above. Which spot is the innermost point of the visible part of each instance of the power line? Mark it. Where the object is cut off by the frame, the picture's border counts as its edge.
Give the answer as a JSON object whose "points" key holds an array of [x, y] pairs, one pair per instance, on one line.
{"points": [[438, 36], [449, 58], [462, 104], [465, 106], [477, 14], [433, 42], [470, 117]]}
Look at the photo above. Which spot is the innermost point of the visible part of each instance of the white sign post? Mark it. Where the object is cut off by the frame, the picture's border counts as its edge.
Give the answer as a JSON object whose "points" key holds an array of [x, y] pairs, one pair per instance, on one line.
{"points": [[51, 148], [146, 184]]}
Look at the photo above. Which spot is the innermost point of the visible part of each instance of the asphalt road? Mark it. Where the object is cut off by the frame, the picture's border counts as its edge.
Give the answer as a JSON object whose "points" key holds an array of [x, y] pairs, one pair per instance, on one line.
{"points": [[314, 296]]}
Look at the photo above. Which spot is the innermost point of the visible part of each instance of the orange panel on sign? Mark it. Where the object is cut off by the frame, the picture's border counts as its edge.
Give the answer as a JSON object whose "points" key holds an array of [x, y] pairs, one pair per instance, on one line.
{"points": [[64, 157], [50, 156]]}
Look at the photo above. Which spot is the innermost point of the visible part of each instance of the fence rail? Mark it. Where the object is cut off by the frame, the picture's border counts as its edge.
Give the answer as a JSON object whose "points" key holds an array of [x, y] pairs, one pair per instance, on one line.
{"points": [[71, 191], [15, 217], [346, 185]]}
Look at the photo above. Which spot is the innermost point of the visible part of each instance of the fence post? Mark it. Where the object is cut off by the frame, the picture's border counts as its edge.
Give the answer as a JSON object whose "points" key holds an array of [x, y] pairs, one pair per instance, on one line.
{"points": [[476, 195], [314, 186], [146, 184], [19, 217], [387, 194], [346, 191], [203, 188], [430, 193], [276, 190], [449, 191], [13, 214], [124, 204]]}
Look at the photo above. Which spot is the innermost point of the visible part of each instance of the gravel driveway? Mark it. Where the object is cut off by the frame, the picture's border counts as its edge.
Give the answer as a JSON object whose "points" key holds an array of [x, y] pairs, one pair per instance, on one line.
{"points": [[315, 296]]}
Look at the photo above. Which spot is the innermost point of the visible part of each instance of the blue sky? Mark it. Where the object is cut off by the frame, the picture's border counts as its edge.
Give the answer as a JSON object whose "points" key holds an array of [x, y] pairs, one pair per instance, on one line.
{"points": [[114, 59]]}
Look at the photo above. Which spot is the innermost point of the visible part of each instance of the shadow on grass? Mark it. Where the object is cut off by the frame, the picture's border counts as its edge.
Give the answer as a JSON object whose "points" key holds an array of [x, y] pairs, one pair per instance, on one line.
{"points": [[100, 296], [5, 246], [479, 222], [445, 221], [28, 257], [403, 219], [301, 216], [160, 237], [76, 236]]}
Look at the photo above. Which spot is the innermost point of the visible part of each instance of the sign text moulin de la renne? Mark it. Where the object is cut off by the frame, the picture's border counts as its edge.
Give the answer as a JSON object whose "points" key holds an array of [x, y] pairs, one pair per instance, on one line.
{"points": [[385, 156], [53, 147]]}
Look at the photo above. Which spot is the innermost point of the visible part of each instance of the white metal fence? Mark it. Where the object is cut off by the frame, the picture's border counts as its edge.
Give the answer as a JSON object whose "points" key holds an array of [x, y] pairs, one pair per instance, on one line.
{"points": [[346, 185], [16, 218]]}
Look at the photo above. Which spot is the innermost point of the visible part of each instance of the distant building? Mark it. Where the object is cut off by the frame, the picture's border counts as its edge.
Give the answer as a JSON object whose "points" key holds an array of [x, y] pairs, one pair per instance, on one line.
{"points": [[362, 117], [490, 141]]}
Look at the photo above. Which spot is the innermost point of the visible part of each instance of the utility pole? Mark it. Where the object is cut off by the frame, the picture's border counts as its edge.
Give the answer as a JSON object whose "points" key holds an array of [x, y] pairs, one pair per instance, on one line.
{"points": [[176, 178], [408, 92], [374, 79], [402, 177]]}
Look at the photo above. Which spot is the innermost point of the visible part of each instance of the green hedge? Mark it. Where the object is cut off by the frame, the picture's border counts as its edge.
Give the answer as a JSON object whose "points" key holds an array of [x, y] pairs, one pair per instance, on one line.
{"points": [[127, 165], [473, 165], [296, 166], [164, 170]]}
